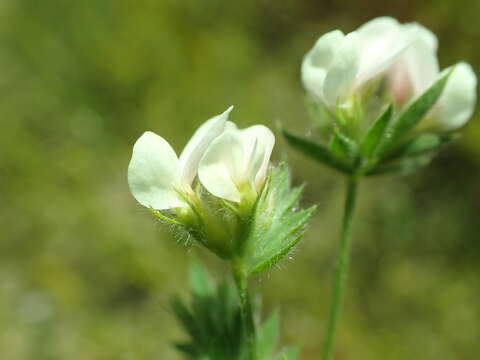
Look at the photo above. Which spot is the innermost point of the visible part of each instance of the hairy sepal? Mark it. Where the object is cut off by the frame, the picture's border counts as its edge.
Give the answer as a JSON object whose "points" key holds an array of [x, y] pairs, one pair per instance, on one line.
{"points": [[277, 222]]}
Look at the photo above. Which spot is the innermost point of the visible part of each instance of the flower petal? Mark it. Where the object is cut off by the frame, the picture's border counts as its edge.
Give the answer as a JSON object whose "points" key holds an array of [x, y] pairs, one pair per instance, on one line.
{"points": [[258, 143], [318, 60], [417, 68], [343, 71], [382, 41], [457, 102], [153, 173], [222, 166], [193, 151]]}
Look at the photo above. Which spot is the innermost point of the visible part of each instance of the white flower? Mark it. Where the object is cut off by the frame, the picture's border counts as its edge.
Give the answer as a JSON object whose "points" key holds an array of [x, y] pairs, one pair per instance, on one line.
{"points": [[417, 69], [236, 162], [339, 64], [157, 177]]}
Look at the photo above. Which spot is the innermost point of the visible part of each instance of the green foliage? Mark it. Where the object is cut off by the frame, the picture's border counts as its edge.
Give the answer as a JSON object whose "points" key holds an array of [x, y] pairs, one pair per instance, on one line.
{"points": [[84, 272], [420, 145], [376, 133], [343, 148], [268, 341], [316, 151], [213, 320], [413, 154], [277, 223], [267, 336], [214, 325]]}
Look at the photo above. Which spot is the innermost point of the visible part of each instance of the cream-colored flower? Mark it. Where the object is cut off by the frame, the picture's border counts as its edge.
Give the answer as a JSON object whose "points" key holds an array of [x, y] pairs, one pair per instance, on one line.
{"points": [[236, 162], [338, 64], [406, 54], [159, 179], [417, 69]]}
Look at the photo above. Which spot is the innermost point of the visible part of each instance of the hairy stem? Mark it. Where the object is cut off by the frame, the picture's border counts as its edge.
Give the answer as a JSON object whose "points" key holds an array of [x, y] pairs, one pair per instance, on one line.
{"points": [[241, 281], [341, 270]]}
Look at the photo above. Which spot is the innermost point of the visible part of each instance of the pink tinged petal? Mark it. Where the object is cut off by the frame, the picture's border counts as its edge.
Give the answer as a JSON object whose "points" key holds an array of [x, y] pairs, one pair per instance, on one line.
{"points": [[417, 68], [195, 148], [421, 59], [154, 172], [341, 75], [222, 167], [457, 102], [318, 60]]}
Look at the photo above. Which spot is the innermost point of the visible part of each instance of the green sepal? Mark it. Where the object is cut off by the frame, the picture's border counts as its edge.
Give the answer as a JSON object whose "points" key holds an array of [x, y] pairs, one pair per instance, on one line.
{"points": [[376, 133], [412, 115], [277, 223], [317, 152], [343, 148]]}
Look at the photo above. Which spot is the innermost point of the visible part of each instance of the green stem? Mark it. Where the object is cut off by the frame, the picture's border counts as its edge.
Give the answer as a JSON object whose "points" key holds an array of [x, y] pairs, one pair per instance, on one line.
{"points": [[341, 270], [241, 281]]}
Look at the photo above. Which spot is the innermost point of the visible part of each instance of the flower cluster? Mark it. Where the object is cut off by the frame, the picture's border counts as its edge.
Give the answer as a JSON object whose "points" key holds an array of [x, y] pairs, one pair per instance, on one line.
{"points": [[341, 67], [215, 188], [379, 87], [230, 163]]}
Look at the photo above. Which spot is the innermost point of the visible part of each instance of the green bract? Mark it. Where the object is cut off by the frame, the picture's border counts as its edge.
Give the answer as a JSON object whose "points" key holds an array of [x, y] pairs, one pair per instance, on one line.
{"points": [[276, 223]]}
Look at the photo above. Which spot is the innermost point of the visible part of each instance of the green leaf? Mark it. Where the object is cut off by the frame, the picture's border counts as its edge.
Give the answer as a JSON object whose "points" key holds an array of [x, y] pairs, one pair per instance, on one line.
{"points": [[185, 317], [267, 336], [344, 148], [414, 113], [199, 280], [277, 224], [403, 166], [420, 145], [212, 321], [376, 133], [316, 151]]}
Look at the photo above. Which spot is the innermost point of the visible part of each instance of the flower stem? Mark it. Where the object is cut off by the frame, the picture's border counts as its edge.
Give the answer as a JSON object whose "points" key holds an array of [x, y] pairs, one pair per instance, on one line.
{"points": [[241, 281], [341, 270]]}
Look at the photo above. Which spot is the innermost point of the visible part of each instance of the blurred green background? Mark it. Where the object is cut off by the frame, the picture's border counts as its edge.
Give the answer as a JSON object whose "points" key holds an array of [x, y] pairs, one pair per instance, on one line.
{"points": [[86, 273]]}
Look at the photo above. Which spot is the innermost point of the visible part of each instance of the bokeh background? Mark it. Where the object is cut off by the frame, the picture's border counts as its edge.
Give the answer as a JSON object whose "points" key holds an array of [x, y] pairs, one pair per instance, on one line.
{"points": [[86, 273]]}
